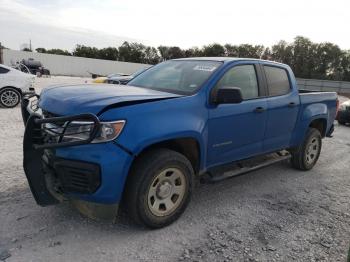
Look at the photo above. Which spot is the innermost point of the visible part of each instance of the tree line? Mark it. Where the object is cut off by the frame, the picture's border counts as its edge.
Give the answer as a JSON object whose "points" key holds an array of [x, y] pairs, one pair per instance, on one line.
{"points": [[306, 58]]}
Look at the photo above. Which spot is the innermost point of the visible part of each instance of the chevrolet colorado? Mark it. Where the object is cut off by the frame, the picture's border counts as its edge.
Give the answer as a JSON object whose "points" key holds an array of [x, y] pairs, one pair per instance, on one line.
{"points": [[142, 144]]}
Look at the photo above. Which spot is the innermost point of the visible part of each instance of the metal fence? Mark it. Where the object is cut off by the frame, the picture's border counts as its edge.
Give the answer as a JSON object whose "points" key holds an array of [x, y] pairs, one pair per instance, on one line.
{"points": [[324, 85]]}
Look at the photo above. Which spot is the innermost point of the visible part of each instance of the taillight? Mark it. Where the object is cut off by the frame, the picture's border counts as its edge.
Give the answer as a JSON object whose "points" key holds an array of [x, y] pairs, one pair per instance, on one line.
{"points": [[337, 108]]}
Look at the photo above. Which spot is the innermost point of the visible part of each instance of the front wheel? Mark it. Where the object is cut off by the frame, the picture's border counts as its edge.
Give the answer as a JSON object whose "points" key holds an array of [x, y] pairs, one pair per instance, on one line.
{"points": [[159, 188], [306, 155], [9, 97]]}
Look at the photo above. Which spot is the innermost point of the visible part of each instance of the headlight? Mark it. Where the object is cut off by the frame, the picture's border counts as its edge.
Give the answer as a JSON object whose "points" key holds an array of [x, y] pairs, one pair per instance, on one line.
{"points": [[79, 131], [109, 131]]}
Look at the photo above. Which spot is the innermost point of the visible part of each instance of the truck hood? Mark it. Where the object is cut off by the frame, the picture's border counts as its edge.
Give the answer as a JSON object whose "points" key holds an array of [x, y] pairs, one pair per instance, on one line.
{"points": [[92, 98]]}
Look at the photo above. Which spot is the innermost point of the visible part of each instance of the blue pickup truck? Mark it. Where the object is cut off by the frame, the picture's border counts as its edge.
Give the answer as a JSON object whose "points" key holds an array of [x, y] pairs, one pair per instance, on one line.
{"points": [[142, 145]]}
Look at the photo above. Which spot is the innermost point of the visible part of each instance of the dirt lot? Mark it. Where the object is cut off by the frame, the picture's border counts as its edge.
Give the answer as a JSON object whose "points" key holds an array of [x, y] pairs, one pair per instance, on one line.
{"points": [[274, 214]]}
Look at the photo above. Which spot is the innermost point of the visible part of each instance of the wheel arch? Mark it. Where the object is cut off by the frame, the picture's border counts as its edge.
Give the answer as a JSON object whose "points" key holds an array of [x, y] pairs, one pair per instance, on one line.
{"points": [[320, 124], [188, 146], [13, 87]]}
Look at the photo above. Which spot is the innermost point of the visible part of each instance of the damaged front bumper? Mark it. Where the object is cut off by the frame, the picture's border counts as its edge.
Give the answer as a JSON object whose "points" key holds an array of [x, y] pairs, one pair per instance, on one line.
{"points": [[53, 179]]}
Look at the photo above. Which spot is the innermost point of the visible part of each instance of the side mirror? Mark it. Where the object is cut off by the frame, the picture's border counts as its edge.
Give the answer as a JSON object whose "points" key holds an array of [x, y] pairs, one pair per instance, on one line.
{"points": [[228, 95]]}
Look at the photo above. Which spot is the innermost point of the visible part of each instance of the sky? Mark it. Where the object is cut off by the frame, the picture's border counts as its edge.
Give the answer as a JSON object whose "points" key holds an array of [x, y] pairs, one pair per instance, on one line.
{"points": [[185, 23]]}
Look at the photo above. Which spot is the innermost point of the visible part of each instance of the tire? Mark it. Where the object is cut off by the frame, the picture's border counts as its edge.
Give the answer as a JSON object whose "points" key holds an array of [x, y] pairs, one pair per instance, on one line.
{"points": [[306, 155], [9, 97], [159, 188], [341, 122]]}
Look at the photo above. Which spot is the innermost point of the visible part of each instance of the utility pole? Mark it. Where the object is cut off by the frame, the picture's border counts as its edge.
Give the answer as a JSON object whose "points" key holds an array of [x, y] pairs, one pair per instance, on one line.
{"points": [[30, 45]]}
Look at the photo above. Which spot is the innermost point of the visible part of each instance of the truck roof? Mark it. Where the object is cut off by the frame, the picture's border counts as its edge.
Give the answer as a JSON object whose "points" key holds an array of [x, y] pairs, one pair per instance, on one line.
{"points": [[226, 59]]}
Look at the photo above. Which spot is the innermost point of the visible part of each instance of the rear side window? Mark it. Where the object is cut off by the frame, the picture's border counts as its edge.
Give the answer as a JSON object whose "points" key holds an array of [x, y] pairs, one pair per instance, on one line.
{"points": [[277, 80], [244, 77], [3, 70]]}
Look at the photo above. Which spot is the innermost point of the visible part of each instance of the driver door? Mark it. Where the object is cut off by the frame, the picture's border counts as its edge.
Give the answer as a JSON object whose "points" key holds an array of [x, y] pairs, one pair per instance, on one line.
{"points": [[236, 131]]}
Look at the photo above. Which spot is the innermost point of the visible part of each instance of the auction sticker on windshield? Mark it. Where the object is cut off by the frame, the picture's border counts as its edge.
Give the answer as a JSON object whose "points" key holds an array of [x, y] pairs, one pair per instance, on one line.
{"points": [[204, 68]]}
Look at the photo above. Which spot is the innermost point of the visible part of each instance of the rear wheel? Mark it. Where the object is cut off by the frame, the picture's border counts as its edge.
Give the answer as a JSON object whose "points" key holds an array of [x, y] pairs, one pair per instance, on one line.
{"points": [[159, 188], [306, 155], [341, 122], [9, 97]]}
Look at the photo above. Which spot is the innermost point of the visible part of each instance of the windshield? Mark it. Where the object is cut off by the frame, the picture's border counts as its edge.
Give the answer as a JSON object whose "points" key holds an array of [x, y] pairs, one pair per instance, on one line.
{"points": [[176, 76]]}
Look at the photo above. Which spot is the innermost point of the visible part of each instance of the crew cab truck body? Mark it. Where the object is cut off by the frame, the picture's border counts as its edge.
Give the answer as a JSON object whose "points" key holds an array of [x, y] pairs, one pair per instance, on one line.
{"points": [[142, 144]]}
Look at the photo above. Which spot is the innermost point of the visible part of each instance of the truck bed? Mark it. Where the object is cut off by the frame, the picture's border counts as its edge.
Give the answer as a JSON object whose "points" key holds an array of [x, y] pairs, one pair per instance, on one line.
{"points": [[318, 103], [308, 96]]}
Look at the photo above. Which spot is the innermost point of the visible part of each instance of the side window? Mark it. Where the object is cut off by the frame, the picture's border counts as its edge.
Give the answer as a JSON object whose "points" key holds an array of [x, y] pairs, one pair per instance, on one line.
{"points": [[244, 77], [3, 70], [277, 81]]}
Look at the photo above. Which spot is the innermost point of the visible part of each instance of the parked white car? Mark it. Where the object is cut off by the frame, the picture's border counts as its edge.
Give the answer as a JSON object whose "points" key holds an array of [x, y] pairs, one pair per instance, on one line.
{"points": [[13, 85]]}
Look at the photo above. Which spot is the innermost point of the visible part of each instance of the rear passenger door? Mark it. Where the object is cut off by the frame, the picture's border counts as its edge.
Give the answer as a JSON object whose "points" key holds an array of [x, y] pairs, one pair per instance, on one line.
{"points": [[283, 106]]}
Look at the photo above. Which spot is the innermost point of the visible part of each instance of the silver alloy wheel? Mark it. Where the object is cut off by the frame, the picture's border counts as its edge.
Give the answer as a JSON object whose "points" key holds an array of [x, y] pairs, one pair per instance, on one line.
{"points": [[9, 98], [312, 150], [166, 192]]}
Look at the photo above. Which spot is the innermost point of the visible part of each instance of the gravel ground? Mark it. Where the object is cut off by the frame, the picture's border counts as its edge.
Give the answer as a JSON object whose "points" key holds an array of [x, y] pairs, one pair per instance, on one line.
{"points": [[274, 214]]}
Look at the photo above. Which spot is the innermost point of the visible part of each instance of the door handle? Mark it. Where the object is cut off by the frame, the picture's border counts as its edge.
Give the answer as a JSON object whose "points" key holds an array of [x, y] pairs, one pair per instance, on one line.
{"points": [[291, 104], [259, 109]]}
